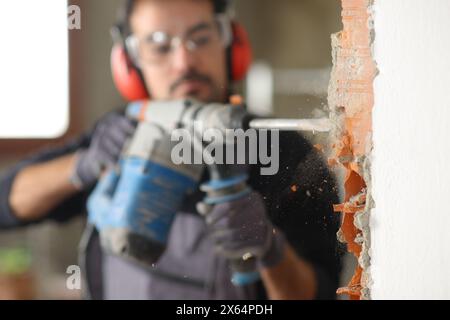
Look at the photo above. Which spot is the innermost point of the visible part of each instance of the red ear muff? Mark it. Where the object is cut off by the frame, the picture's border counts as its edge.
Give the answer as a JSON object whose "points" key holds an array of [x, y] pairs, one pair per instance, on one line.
{"points": [[126, 77], [241, 53]]}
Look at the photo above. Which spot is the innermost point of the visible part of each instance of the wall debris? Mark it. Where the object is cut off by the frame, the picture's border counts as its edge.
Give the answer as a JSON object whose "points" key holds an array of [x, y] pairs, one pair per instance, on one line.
{"points": [[351, 101]]}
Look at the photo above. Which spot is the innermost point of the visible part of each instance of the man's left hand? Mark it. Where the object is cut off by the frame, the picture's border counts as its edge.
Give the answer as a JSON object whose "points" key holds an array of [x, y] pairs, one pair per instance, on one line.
{"points": [[241, 228]]}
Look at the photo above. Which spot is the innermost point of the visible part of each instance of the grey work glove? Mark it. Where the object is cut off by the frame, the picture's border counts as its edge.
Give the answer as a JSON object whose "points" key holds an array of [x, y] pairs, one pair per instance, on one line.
{"points": [[107, 143], [241, 229]]}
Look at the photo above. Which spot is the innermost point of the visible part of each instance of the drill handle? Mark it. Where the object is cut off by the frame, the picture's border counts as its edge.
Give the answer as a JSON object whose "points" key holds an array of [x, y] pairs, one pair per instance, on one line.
{"points": [[230, 188]]}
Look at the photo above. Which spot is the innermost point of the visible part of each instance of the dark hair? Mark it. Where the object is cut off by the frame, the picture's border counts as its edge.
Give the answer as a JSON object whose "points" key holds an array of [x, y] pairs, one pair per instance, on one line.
{"points": [[220, 6]]}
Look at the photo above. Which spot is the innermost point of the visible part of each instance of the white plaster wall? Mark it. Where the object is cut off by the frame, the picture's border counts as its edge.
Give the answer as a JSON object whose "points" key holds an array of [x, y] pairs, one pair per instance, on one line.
{"points": [[411, 159]]}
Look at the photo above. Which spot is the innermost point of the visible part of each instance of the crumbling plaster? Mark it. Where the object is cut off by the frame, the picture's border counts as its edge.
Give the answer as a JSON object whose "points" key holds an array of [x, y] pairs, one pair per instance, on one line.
{"points": [[390, 101], [351, 101]]}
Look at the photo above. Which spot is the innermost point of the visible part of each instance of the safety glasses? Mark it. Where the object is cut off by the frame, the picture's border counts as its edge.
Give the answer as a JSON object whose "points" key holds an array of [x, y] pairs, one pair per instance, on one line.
{"points": [[158, 47]]}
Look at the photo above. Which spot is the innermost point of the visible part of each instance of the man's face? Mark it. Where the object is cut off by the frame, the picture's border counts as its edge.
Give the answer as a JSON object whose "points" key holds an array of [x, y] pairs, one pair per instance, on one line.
{"points": [[180, 72]]}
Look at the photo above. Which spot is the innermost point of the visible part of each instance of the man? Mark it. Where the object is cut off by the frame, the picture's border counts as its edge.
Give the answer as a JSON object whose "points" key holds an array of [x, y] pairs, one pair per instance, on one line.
{"points": [[288, 221]]}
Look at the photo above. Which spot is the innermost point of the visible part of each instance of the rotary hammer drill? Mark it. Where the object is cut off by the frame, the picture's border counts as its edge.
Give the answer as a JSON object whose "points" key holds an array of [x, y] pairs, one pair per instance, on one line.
{"points": [[134, 205]]}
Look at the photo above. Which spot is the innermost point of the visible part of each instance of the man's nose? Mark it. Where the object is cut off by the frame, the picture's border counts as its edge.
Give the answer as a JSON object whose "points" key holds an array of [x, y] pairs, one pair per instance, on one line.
{"points": [[183, 59]]}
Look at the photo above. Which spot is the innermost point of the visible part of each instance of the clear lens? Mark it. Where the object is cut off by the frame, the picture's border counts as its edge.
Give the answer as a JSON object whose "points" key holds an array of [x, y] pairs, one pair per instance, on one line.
{"points": [[158, 47]]}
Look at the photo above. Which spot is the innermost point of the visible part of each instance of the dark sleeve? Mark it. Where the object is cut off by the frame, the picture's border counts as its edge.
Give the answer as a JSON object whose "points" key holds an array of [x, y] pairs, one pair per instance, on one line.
{"points": [[65, 211], [300, 200]]}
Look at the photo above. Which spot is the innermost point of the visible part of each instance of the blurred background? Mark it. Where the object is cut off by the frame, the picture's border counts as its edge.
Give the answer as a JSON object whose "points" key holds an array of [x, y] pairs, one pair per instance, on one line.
{"points": [[292, 51]]}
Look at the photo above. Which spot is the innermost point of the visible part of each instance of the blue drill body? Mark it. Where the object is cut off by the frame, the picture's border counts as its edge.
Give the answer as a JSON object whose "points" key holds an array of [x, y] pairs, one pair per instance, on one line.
{"points": [[142, 200]]}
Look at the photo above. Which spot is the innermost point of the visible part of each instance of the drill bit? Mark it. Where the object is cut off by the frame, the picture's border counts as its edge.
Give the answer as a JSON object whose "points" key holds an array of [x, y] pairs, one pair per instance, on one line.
{"points": [[314, 125]]}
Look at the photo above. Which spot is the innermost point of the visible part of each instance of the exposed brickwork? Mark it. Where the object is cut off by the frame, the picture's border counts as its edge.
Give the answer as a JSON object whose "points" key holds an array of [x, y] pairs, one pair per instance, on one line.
{"points": [[351, 101]]}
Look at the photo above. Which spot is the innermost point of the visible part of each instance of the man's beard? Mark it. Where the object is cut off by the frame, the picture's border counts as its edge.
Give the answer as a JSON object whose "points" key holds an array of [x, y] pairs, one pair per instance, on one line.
{"points": [[192, 75]]}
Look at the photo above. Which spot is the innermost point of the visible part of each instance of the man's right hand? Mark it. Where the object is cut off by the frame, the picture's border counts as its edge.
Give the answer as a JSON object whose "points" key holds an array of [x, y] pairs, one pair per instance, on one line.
{"points": [[107, 143]]}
